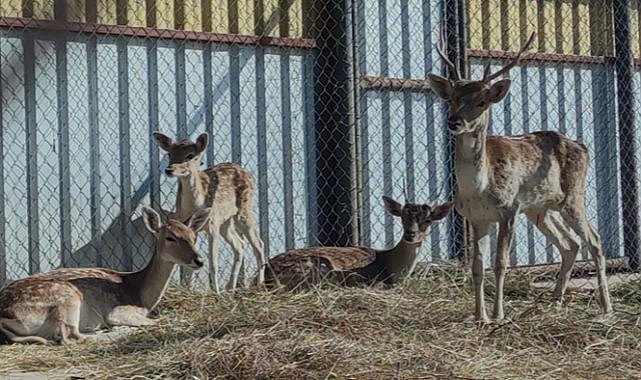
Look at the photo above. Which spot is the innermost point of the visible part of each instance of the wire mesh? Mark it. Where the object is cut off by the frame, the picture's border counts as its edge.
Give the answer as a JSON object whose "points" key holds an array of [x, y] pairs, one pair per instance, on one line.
{"points": [[325, 103]]}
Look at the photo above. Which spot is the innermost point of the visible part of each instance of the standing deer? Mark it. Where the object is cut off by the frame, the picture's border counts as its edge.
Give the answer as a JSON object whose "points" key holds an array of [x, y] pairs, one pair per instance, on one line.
{"points": [[62, 304], [229, 190], [541, 174], [300, 268]]}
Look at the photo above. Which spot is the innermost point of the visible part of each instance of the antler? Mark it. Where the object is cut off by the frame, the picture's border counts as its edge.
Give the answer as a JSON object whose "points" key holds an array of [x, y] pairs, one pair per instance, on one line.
{"points": [[404, 190], [487, 77], [440, 48]]}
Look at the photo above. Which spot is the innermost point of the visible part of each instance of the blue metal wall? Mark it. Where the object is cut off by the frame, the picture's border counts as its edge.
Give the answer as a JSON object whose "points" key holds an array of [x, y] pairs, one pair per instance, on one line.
{"points": [[101, 97]]}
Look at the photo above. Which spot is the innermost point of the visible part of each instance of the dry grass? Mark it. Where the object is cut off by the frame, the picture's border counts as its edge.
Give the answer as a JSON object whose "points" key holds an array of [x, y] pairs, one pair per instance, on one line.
{"points": [[422, 329]]}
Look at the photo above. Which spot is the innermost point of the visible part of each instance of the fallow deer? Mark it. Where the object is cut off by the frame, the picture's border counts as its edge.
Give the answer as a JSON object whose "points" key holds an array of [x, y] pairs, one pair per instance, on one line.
{"points": [[541, 174], [229, 189], [301, 268], [62, 304]]}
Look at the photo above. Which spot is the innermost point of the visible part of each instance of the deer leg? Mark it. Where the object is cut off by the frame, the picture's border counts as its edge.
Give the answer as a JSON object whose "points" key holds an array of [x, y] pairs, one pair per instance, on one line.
{"points": [[249, 229], [212, 234], [552, 226], [128, 315], [504, 243], [481, 244], [230, 233], [7, 327], [575, 218]]}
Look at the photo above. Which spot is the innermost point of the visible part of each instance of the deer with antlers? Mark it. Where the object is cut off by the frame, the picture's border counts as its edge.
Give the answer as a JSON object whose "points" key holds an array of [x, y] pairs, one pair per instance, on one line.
{"points": [[228, 189], [541, 174]]}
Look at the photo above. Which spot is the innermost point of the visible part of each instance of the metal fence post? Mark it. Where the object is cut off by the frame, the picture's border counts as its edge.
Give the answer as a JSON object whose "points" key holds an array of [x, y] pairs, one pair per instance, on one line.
{"points": [[627, 143], [456, 50], [332, 109]]}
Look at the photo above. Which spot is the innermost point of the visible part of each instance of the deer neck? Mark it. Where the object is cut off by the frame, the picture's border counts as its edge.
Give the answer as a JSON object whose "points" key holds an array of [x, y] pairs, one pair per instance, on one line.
{"points": [[399, 260], [471, 165], [191, 194], [150, 283]]}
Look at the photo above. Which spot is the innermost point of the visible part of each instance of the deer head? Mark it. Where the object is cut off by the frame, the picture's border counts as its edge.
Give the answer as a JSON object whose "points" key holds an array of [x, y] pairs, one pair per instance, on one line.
{"points": [[470, 100], [184, 155], [416, 218], [175, 241]]}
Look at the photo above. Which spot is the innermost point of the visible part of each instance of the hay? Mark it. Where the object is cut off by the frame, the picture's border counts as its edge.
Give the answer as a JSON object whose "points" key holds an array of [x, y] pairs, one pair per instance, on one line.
{"points": [[421, 329]]}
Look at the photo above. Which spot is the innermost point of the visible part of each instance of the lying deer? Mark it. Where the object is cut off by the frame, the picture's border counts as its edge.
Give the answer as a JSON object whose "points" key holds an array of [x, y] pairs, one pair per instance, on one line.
{"points": [[300, 268], [540, 174], [229, 189], [59, 305]]}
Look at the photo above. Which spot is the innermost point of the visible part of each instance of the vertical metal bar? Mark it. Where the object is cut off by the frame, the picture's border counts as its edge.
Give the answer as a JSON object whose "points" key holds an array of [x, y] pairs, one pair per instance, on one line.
{"points": [[63, 151], [261, 125], [453, 34], [627, 138], [3, 248], [525, 98], [334, 133], [208, 101], [181, 91], [486, 33], [150, 13], [234, 92], [121, 12], [32, 152], [363, 121], [286, 121], [311, 173], [435, 230], [407, 107], [94, 147], [353, 140], [385, 118], [152, 99], [125, 152], [206, 16]]}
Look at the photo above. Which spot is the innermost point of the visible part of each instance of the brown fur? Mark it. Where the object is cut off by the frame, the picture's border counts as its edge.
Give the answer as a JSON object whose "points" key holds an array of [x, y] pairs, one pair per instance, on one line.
{"points": [[540, 174], [229, 189], [57, 305], [305, 267]]}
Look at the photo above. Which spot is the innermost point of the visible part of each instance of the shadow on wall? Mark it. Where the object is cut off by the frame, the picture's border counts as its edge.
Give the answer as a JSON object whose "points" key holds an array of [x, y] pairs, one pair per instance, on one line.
{"points": [[115, 250]]}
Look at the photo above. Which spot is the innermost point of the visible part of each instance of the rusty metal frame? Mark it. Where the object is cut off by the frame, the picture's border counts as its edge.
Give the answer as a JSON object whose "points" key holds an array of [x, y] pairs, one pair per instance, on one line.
{"points": [[22, 23]]}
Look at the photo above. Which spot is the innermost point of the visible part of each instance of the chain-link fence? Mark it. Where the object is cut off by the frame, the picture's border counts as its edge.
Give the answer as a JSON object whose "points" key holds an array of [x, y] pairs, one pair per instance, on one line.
{"points": [[325, 102]]}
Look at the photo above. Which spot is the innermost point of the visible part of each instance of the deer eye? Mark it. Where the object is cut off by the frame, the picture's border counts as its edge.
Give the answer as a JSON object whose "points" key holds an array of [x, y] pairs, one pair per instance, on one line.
{"points": [[482, 104], [190, 156], [170, 239]]}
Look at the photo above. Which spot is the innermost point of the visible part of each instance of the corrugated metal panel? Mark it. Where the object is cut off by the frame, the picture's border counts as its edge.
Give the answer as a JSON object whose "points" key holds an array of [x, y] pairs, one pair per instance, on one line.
{"points": [[95, 169]]}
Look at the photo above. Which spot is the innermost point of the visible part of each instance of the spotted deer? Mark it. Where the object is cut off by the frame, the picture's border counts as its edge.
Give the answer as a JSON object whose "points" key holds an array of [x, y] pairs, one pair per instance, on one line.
{"points": [[63, 304], [541, 174], [301, 268], [229, 190]]}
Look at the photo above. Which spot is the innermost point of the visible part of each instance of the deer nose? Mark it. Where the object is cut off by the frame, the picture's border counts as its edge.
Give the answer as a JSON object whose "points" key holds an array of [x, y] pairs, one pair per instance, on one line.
{"points": [[199, 263], [410, 235], [454, 123], [169, 171]]}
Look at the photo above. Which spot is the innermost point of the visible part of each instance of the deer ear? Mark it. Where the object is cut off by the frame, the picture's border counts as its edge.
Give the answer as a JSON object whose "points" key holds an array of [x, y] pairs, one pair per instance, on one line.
{"points": [[201, 142], [151, 219], [199, 219], [498, 90], [441, 86], [441, 211], [392, 206], [164, 142]]}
